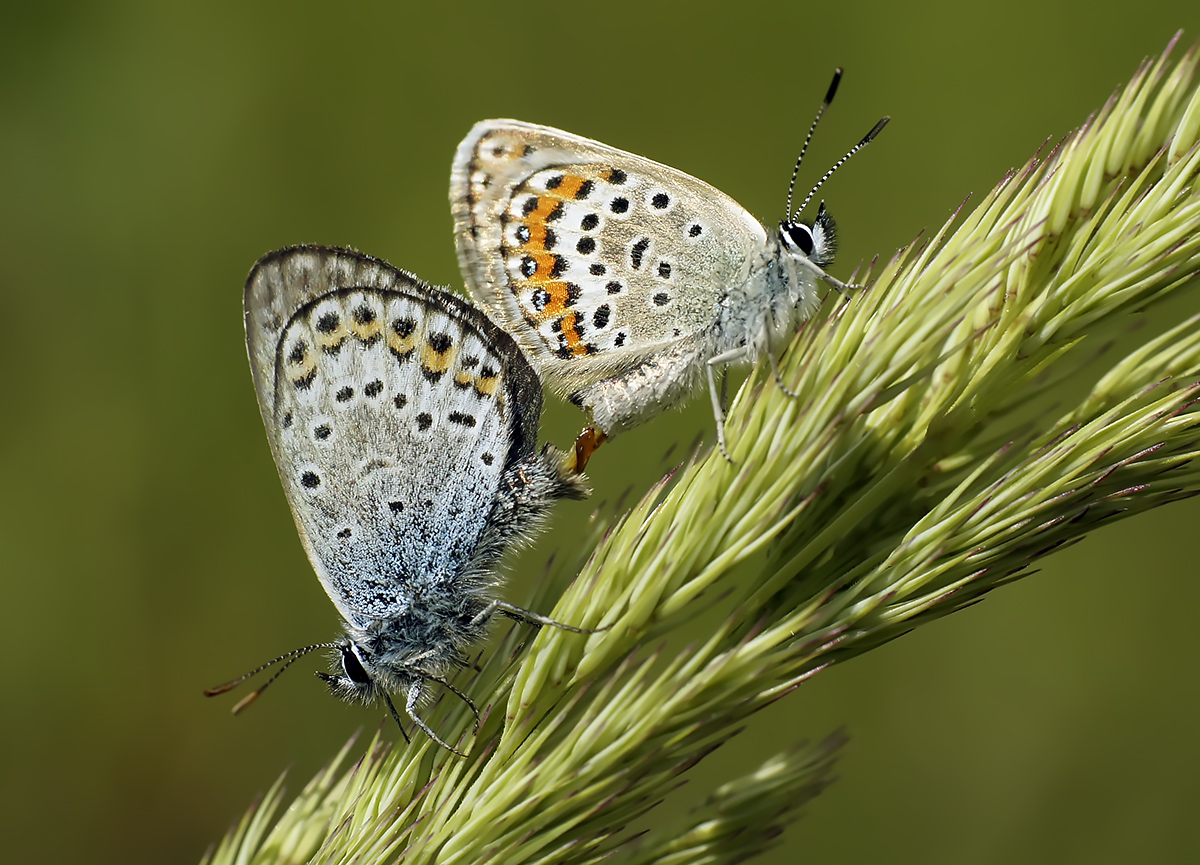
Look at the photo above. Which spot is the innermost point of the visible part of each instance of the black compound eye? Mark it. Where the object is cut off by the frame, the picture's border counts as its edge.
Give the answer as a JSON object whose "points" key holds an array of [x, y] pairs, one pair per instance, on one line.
{"points": [[799, 234], [353, 667]]}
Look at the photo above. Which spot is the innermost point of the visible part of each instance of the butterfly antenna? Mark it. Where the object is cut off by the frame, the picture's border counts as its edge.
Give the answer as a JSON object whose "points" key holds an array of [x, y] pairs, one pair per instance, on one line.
{"points": [[288, 658], [829, 94], [867, 139]]}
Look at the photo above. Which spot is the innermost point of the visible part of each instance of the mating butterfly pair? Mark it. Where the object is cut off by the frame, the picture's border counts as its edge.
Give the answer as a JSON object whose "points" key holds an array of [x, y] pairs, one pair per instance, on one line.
{"points": [[404, 422]]}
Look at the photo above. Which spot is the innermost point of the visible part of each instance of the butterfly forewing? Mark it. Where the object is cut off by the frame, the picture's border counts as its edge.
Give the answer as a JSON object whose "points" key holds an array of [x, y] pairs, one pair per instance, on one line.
{"points": [[592, 256], [389, 407]]}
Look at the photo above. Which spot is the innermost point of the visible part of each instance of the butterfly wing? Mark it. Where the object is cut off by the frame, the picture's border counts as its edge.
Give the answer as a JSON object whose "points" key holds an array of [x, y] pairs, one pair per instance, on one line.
{"points": [[393, 411], [595, 258]]}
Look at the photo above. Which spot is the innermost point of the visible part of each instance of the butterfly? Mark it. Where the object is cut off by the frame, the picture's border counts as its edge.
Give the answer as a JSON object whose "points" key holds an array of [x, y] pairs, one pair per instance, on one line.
{"points": [[627, 281], [404, 426]]}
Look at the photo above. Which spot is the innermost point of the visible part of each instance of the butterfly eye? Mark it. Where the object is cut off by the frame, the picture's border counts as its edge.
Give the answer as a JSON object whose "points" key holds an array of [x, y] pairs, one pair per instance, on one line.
{"points": [[353, 667], [798, 235]]}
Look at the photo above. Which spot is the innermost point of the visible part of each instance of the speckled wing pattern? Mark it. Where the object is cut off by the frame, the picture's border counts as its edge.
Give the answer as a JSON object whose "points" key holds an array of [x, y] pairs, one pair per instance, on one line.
{"points": [[594, 258], [393, 410]]}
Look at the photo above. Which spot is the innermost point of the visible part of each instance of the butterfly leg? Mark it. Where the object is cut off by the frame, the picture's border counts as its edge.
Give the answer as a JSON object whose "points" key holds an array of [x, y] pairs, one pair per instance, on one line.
{"points": [[523, 615], [410, 708], [839, 286], [456, 692], [787, 391], [718, 409]]}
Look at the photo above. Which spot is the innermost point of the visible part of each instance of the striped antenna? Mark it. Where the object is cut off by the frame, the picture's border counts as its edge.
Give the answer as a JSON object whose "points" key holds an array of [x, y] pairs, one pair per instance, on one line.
{"points": [[829, 94], [867, 139]]}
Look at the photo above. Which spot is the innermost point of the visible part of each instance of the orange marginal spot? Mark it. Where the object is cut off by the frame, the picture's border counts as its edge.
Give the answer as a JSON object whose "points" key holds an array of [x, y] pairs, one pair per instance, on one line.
{"points": [[401, 345], [301, 362], [570, 186], [463, 379], [366, 331], [546, 204], [570, 332], [436, 361], [545, 267], [333, 339], [537, 236], [486, 385]]}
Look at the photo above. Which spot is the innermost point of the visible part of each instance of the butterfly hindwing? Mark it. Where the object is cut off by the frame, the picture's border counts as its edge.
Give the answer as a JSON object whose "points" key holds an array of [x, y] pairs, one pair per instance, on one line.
{"points": [[393, 411], [593, 257]]}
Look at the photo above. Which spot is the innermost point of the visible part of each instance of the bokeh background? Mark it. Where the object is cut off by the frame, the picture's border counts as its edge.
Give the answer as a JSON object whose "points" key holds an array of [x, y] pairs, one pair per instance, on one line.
{"points": [[149, 153]]}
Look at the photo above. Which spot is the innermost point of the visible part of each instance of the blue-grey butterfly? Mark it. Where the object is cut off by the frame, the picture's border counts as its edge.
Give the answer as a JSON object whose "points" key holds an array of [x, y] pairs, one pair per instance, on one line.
{"points": [[404, 426]]}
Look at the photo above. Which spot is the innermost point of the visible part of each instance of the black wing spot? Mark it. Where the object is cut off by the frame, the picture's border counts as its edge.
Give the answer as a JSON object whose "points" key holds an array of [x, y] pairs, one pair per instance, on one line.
{"points": [[539, 298], [660, 201], [344, 533], [345, 394], [600, 316], [364, 314], [458, 417], [695, 230], [440, 342], [586, 245], [585, 189], [310, 480], [404, 326], [401, 400], [551, 240], [530, 205], [597, 270], [469, 361], [560, 265], [487, 458], [617, 177], [299, 352], [661, 299], [589, 222], [287, 420], [329, 322], [574, 292], [554, 181], [620, 340], [638, 250], [424, 421], [374, 388], [619, 205], [528, 267], [555, 213], [396, 507], [664, 269], [323, 432], [613, 287], [523, 233]]}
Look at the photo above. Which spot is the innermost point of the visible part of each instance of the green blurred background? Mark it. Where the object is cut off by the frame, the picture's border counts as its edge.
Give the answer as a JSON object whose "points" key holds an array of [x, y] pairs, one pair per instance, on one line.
{"points": [[149, 153]]}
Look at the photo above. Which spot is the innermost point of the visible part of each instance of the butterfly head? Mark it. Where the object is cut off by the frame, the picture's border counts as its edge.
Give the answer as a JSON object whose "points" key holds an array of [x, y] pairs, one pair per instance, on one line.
{"points": [[355, 677], [816, 240]]}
